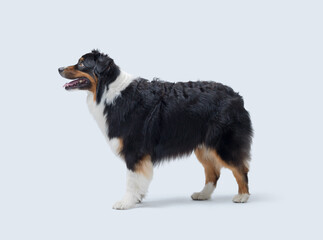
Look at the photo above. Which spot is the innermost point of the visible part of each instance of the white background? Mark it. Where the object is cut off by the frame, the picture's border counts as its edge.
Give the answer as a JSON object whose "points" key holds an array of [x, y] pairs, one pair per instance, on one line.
{"points": [[58, 177]]}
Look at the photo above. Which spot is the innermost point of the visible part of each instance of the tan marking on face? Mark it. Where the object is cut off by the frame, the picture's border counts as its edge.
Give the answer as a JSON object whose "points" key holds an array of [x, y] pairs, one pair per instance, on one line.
{"points": [[94, 86], [145, 167], [71, 73]]}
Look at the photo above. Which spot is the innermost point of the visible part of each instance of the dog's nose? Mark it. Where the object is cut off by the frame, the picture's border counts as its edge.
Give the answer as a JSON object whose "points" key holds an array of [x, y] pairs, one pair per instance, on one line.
{"points": [[61, 69]]}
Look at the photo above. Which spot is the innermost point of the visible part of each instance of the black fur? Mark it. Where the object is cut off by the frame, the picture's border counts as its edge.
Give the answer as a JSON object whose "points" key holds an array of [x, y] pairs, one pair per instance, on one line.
{"points": [[167, 120], [102, 66]]}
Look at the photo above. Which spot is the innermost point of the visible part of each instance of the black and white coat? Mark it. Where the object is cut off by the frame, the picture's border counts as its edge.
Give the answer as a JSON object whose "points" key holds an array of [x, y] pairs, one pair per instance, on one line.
{"points": [[148, 122]]}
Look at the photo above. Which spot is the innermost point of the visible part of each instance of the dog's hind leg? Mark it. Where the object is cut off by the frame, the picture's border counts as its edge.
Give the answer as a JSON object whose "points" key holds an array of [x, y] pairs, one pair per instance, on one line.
{"points": [[138, 181], [240, 172], [212, 173], [241, 175]]}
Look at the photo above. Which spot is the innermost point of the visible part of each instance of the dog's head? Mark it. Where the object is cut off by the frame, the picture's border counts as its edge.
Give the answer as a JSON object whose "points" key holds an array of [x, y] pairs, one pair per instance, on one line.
{"points": [[87, 74]]}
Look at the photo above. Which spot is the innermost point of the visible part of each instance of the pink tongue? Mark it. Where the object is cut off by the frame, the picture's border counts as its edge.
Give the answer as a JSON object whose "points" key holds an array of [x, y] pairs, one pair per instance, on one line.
{"points": [[69, 84]]}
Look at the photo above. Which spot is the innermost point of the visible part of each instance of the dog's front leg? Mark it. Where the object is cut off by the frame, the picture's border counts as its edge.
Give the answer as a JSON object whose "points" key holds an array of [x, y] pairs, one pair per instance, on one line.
{"points": [[138, 180]]}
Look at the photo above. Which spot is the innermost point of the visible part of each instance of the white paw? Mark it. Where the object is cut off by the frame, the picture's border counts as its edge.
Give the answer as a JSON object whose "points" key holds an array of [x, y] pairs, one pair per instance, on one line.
{"points": [[123, 205], [200, 196], [141, 197], [241, 198]]}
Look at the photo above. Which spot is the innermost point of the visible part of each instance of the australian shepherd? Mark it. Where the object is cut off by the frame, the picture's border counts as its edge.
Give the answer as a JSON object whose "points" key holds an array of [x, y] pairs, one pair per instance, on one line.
{"points": [[147, 122]]}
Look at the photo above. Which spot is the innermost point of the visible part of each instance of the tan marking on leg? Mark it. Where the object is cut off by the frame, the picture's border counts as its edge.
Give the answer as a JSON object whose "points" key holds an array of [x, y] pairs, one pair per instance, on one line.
{"points": [[243, 185], [120, 147], [212, 173], [239, 172], [145, 167], [211, 167]]}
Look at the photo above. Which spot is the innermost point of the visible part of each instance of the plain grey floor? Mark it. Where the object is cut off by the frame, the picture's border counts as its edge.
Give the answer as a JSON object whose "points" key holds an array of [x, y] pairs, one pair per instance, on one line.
{"points": [[58, 177]]}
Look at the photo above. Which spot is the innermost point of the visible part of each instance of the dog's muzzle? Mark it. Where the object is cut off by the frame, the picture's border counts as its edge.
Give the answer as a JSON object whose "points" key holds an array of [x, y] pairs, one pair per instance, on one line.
{"points": [[61, 70]]}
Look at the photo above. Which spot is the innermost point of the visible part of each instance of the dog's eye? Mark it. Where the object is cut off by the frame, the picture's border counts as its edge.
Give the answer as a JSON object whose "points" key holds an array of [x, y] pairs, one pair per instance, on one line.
{"points": [[81, 64]]}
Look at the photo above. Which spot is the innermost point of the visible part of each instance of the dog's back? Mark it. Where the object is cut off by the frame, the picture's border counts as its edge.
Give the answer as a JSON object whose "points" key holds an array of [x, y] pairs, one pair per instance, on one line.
{"points": [[167, 120], [147, 122]]}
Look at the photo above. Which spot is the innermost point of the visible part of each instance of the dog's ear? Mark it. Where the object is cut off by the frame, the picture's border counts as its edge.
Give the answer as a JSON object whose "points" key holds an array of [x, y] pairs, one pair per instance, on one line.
{"points": [[101, 69], [102, 64], [101, 61]]}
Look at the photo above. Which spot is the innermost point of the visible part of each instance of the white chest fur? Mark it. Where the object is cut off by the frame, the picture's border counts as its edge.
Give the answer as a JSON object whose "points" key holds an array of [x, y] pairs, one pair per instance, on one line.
{"points": [[97, 110]]}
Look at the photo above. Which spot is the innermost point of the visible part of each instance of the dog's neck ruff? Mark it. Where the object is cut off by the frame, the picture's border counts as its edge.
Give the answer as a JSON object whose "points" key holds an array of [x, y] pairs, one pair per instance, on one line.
{"points": [[110, 94], [117, 86]]}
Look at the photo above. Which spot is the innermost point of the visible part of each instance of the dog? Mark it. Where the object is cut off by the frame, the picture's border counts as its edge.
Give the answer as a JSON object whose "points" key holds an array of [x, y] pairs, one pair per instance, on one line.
{"points": [[148, 122]]}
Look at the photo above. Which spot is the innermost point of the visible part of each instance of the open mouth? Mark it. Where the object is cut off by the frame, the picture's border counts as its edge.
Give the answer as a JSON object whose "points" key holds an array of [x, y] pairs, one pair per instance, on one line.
{"points": [[77, 83]]}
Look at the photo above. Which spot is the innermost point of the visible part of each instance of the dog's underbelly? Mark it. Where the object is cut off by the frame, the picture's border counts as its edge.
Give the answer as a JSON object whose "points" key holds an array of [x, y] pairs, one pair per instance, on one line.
{"points": [[97, 111]]}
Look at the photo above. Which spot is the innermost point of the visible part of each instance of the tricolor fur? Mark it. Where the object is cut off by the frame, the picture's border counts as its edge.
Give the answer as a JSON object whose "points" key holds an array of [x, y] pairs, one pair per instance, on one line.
{"points": [[148, 122]]}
